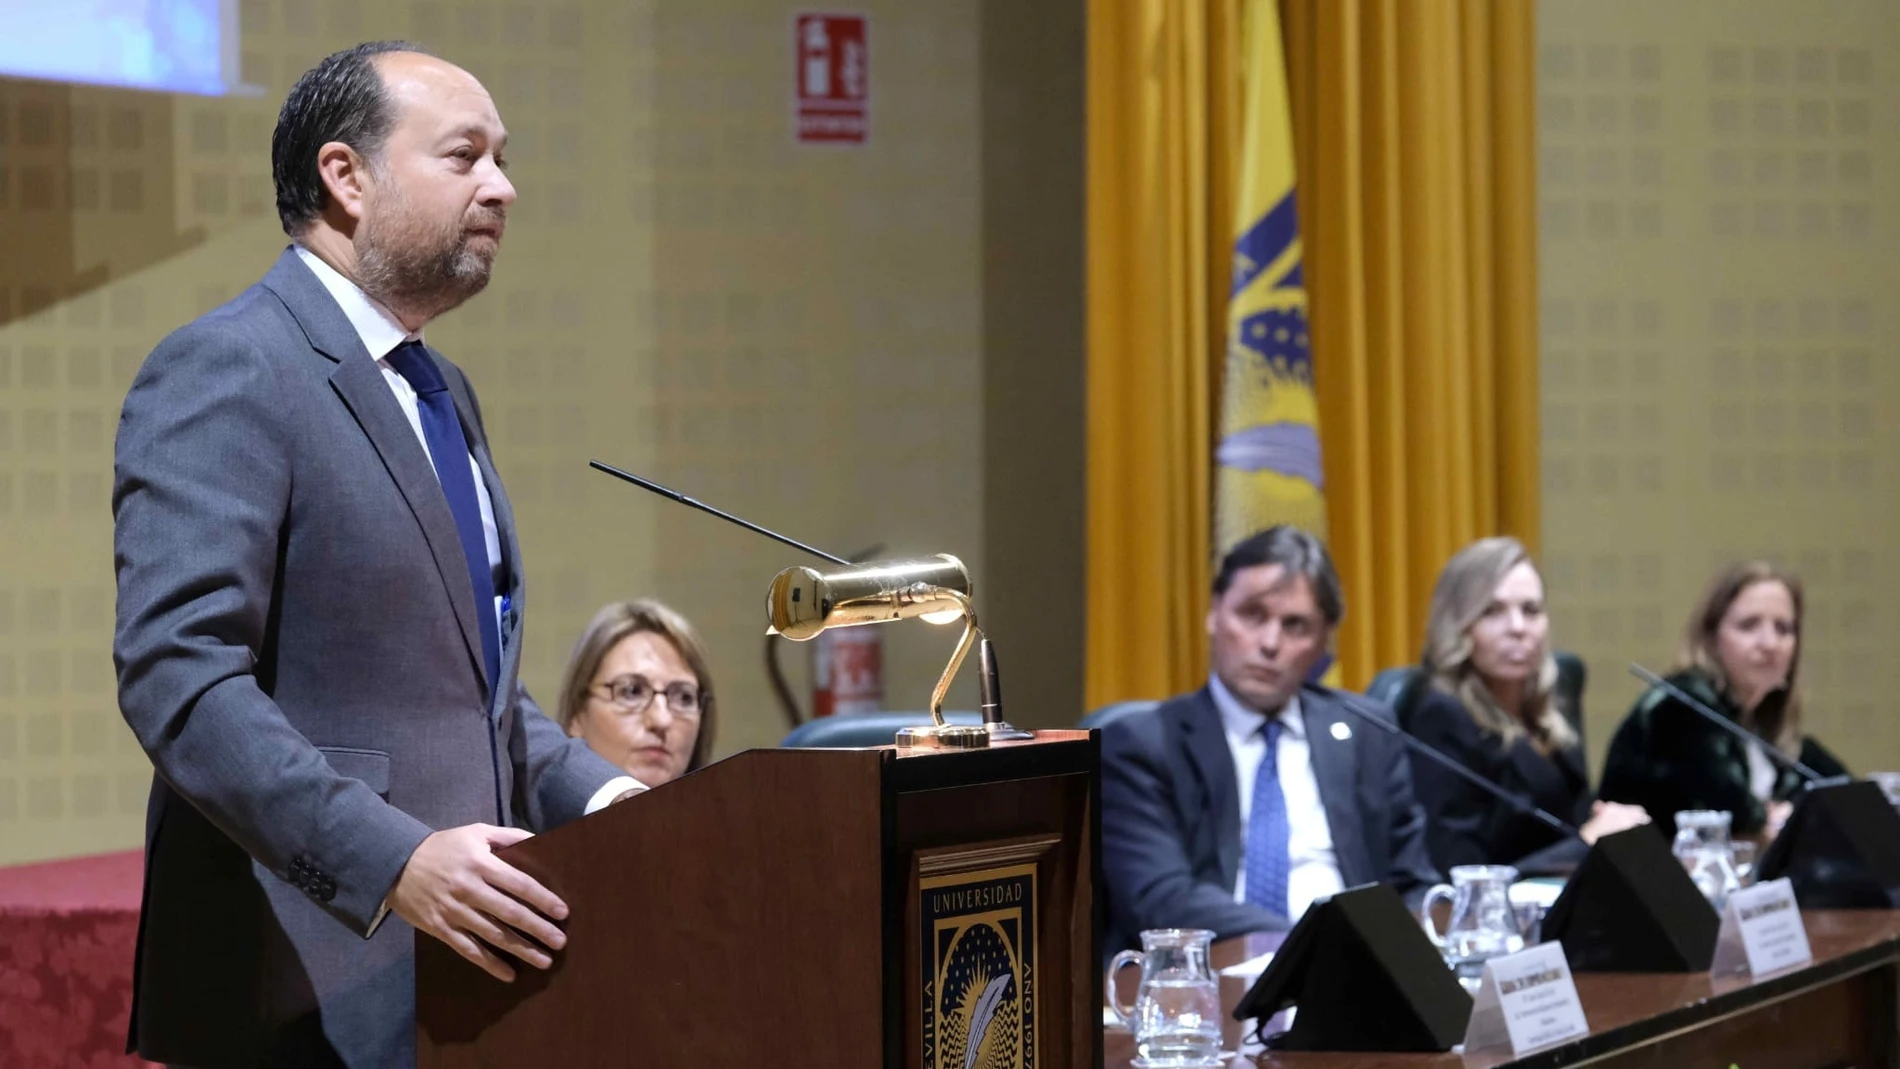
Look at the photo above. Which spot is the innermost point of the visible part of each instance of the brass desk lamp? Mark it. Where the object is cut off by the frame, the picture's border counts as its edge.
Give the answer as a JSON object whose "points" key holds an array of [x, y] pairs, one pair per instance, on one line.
{"points": [[806, 601]]}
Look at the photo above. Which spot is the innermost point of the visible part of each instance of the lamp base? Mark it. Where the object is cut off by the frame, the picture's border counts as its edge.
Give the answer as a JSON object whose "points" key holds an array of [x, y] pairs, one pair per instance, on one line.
{"points": [[946, 737]]}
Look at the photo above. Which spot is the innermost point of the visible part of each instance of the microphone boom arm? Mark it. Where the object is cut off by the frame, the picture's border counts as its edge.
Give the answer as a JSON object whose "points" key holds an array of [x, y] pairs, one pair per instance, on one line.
{"points": [[1701, 708], [1521, 804], [669, 492]]}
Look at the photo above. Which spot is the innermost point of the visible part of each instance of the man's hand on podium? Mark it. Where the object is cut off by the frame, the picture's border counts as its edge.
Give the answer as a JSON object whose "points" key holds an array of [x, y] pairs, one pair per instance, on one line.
{"points": [[626, 794], [455, 889]]}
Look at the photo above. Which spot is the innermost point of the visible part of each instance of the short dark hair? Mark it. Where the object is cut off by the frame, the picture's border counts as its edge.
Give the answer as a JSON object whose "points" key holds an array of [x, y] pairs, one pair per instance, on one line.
{"points": [[1296, 551], [342, 99]]}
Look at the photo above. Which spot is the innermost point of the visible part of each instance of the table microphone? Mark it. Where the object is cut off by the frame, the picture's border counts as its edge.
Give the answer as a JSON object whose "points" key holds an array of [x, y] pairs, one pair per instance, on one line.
{"points": [[1702, 709], [1518, 802]]}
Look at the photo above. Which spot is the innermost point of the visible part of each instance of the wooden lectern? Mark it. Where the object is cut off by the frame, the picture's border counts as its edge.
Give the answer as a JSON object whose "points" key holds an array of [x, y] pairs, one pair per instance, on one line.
{"points": [[838, 908]]}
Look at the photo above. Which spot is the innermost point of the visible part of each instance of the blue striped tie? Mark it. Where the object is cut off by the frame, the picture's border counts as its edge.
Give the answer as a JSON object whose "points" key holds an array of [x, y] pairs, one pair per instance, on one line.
{"points": [[442, 429], [1268, 834]]}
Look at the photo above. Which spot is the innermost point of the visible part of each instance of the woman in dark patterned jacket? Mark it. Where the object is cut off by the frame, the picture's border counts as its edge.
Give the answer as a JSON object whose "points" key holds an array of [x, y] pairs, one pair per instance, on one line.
{"points": [[1741, 654]]}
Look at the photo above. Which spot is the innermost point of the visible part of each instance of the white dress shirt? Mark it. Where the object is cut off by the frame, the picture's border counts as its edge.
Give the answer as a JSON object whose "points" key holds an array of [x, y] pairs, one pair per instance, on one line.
{"points": [[1762, 773], [1313, 869], [381, 333]]}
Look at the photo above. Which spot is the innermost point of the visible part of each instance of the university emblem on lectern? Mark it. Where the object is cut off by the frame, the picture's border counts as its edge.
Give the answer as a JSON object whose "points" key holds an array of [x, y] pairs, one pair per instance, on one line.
{"points": [[979, 977]]}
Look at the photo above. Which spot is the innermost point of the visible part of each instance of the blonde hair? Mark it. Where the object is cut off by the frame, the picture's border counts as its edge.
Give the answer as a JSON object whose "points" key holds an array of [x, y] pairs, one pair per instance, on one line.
{"points": [[615, 622], [1464, 591], [1777, 717]]}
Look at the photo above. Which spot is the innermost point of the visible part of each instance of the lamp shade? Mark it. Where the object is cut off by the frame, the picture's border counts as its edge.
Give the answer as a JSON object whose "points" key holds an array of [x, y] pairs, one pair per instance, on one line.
{"points": [[806, 601]]}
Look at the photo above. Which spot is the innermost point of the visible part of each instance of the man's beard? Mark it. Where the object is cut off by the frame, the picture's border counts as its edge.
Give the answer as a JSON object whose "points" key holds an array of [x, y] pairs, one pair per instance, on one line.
{"points": [[416, 268]]}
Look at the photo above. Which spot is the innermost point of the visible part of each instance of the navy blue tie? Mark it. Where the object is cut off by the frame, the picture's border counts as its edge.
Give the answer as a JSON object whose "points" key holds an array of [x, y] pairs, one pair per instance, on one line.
{"points": [[1269, 836], [442, 429]]}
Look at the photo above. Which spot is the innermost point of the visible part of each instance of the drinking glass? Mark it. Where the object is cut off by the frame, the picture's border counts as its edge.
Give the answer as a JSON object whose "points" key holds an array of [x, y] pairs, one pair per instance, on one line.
{"points": [[1742, 856]]}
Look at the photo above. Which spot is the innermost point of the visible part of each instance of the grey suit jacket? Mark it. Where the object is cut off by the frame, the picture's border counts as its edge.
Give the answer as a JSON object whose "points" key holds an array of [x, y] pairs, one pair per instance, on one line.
{"points": [[298, 652], [1171, 848]]}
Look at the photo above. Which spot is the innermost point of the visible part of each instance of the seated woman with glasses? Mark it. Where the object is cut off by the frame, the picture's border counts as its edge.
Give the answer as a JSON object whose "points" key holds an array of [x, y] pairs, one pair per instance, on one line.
{"points": [[637, 690]]}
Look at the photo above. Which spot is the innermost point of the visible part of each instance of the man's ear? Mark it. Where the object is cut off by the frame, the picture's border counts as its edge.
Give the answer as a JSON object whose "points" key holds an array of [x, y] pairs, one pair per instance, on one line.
{"points": [[345, 175]]}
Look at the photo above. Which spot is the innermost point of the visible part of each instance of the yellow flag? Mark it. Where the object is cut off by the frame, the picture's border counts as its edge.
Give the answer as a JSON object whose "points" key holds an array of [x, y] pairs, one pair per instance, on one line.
{"points": [[1267, 467]]}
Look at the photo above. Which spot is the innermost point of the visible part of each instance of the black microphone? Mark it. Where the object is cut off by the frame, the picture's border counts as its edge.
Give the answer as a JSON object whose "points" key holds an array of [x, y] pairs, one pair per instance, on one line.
{"points": [[1518, 802], [667, 492], [1702, 709]]}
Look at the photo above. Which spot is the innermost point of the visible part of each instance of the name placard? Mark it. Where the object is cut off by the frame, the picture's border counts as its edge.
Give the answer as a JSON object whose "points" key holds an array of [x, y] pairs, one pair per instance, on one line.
{"points": [[1762, 931], [1528, 1001]]}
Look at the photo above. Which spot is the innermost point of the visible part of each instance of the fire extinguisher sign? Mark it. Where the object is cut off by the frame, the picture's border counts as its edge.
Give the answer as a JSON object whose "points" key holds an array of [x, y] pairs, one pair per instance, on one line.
{"points": [[833, 78]]}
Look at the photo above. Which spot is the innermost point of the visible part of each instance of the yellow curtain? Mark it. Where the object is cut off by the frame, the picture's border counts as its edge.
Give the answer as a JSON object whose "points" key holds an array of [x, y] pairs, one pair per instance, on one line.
{"points": [[1163, 92], [1413, 131]]}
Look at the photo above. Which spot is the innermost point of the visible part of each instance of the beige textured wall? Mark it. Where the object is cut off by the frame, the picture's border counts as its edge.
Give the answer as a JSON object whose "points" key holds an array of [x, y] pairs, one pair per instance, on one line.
{"points": [[792, 333], [1033, 328], [1718, 336]]}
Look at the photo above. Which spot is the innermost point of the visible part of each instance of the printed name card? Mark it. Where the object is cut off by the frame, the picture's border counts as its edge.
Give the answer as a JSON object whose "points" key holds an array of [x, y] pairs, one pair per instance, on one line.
{"points": [[1526, 1000], [1762, 931]]}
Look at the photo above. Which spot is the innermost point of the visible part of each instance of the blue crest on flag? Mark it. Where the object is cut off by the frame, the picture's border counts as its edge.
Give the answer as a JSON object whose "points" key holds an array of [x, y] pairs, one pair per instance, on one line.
{"points": [[1270, 349]]}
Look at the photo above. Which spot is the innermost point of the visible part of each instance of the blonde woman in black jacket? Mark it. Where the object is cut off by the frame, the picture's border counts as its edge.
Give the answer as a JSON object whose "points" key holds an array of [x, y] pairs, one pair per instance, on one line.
{"points": [[1491, 703]]}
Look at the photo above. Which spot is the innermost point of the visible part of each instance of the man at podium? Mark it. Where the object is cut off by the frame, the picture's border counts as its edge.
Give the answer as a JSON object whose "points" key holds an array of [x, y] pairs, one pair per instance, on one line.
{"points": [[319, 614], [1235, 807]]}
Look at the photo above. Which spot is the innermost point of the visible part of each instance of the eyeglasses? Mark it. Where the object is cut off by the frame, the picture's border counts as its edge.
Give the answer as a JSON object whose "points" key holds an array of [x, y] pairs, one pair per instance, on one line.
{"points": [[634, 694]]}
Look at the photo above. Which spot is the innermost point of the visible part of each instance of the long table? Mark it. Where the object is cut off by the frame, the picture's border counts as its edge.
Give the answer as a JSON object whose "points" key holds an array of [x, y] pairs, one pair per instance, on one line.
{"points": [[1840, 1011]]}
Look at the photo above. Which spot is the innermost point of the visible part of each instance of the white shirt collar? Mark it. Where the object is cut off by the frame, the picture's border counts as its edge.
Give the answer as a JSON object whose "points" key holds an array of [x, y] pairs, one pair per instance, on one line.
{"points": [[1239, 720], [380, 330]]}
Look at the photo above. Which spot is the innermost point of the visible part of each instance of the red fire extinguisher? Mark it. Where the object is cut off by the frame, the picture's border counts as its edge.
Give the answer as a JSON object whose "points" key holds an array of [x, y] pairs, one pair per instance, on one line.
{"points": [[847, 669]]}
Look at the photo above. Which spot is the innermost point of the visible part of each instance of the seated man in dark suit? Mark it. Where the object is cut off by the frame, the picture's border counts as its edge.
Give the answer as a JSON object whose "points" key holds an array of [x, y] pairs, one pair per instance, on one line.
{"points": [[1236, 807]]}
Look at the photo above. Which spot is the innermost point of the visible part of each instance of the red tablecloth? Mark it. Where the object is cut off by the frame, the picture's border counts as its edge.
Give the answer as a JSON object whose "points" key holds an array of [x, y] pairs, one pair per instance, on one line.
{"points": [[67, 930]]}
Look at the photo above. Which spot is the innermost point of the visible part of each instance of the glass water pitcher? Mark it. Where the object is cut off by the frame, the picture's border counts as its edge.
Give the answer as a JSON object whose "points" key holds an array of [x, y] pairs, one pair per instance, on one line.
{"points": [[1702, 845]]}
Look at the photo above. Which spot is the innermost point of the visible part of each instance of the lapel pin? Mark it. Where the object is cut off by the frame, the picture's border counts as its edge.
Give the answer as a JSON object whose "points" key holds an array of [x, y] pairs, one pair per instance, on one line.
{"points": [[1341, 731]]}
